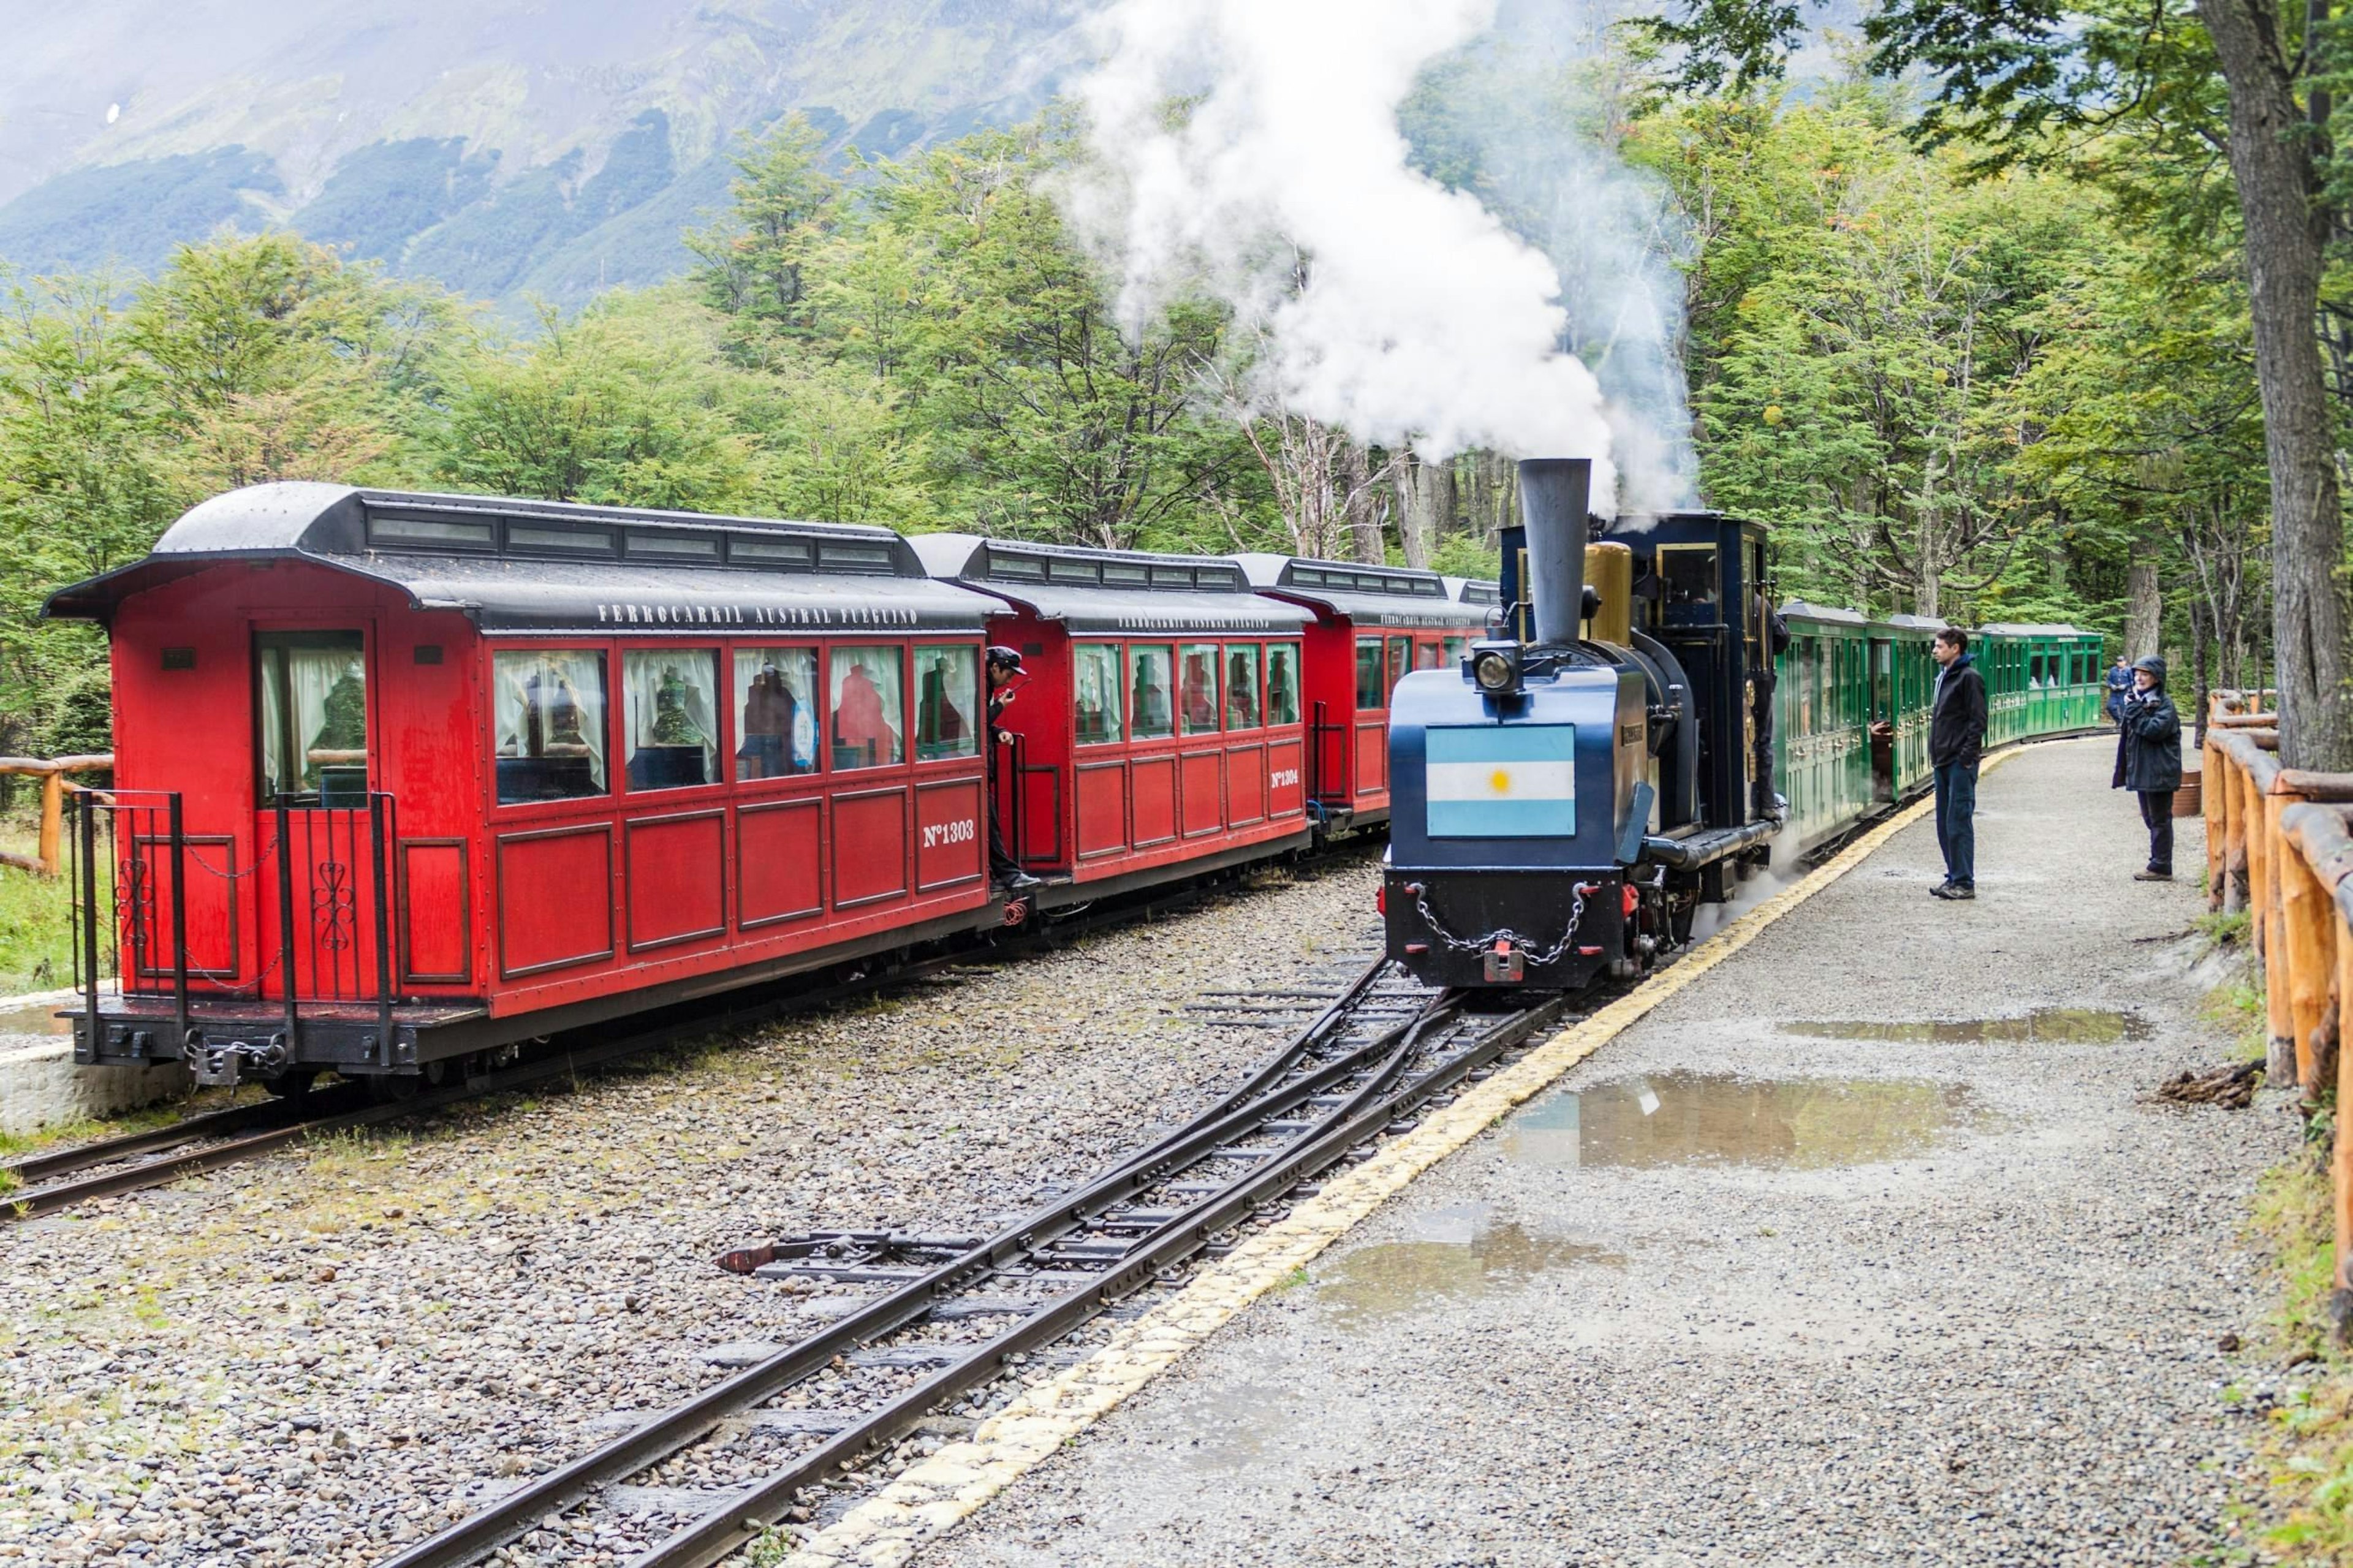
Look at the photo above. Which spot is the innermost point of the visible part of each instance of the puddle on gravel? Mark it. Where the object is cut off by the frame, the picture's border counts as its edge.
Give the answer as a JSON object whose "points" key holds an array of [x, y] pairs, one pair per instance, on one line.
{"points": [[1690, 1118], [2058, 1026], [39, 1019], [1456, 1252]]}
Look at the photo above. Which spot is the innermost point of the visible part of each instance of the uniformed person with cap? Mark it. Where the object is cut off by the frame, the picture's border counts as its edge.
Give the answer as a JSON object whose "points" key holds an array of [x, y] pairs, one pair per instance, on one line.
{"points": [[1003, 664]]}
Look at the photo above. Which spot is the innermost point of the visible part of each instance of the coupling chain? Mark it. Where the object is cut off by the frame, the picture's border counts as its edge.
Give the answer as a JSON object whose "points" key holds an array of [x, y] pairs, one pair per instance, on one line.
{"points": [[1482, 944]]}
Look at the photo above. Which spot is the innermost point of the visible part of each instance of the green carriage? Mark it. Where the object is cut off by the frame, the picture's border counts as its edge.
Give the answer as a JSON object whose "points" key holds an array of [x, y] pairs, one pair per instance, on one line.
{"points": [[2040, 679]]}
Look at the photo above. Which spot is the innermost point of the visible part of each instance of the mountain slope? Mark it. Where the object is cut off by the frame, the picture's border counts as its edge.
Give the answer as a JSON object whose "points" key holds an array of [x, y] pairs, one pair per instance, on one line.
{"points": [[500, 145]]}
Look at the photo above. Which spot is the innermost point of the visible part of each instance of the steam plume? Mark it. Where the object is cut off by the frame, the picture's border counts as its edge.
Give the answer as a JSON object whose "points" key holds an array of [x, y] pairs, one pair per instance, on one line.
{"points": [[1252, 148]]}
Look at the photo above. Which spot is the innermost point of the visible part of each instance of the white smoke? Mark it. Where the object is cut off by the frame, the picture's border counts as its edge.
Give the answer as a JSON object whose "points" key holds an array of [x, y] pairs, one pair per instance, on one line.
{"points": [[1251, 147], [1784, 872]]}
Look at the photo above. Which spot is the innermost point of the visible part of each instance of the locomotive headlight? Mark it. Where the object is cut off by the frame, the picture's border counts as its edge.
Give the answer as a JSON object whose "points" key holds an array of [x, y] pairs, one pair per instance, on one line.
{"points": [[1496, 668]]}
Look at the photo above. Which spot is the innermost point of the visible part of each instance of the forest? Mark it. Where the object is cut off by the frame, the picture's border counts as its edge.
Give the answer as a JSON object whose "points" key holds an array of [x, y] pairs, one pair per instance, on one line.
{"points": [[1990, 388]]}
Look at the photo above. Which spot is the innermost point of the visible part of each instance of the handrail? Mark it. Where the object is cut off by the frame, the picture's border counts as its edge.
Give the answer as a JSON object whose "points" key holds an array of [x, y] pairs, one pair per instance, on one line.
{"points": [[51, 771], [2279, 845]]}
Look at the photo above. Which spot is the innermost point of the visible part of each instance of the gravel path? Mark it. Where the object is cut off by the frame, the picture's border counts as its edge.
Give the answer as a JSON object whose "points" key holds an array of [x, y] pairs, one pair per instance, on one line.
{"points": [[1749, 1289], [298, 1360]]}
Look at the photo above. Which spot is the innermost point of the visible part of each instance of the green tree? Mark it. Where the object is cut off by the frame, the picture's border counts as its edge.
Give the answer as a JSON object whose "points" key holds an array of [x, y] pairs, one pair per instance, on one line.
{"points": [[631, 403], [756, 264], [83, 489], [1043, 417], [2028, 81]]}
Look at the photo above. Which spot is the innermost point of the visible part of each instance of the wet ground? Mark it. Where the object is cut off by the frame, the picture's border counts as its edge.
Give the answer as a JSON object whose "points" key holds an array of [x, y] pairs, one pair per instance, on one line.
{"points": [[1868, 1246], [34, 1021]]}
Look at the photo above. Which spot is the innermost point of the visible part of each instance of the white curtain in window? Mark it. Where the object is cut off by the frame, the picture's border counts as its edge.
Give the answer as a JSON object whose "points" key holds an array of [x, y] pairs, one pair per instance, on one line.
{"points": [[1242, 687], [276, 776], [1096, 672], [775, 712], [328, 692], [673, 713], [869, 712], [550, 703], [947, 680], [1282, 683], [1152, 707]]}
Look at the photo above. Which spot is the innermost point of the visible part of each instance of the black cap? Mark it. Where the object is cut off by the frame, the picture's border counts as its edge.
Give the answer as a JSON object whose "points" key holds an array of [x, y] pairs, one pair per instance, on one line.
{"points": [[2152, 663], [999, 654]]}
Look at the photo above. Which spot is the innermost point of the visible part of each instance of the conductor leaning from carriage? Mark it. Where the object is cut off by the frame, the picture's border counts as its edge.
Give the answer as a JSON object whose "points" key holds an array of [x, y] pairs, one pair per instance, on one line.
{"points": [[1003, 664]]}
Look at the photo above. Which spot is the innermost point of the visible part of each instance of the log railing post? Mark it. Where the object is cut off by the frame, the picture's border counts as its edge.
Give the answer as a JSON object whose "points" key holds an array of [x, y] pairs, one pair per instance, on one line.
{"points": [[48, 849], [2340, 1302], [53, 803], [2214, 797]]}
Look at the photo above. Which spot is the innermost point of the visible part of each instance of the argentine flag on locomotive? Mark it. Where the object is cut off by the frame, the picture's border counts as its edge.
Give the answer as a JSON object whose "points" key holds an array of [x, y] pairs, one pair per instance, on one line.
{"points": [[1501, 781]]}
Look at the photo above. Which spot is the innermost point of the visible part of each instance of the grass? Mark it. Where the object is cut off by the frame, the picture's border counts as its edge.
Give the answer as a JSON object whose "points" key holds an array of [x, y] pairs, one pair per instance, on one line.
{"points": [[2309, 1450], [2223, 930], [36, 918], [2240, 1008]]}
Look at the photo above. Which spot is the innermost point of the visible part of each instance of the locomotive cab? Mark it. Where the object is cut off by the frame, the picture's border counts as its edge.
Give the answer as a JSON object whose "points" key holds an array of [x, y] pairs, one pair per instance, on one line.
{"points": [[1567, 796]]}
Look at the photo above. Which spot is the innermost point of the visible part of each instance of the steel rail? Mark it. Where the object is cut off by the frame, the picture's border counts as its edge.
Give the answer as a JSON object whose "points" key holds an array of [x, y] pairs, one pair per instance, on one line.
{"points": [[36, 1201], [562, 1062], [681, 1426], [218, 1123], [27, 1204], [1368, 1112]]}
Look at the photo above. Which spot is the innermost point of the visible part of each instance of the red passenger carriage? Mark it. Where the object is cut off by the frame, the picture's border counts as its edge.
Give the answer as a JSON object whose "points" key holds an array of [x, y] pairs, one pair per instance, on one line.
{"points": [[1373, 625], [1159, 729], [402, 777]]}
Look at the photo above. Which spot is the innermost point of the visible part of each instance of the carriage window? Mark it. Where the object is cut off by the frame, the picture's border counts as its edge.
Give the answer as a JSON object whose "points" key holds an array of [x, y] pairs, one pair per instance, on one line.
{"points": [[1282, 684], [1241, 686], [1094, 668], [776, 716], [311, 690], [1400, 661], [1197, 688], [1368, 672], [1455, 649], [1426, 656], [1151, 709], [673, 713], [948, 686], [549, 706], [869, 692]]}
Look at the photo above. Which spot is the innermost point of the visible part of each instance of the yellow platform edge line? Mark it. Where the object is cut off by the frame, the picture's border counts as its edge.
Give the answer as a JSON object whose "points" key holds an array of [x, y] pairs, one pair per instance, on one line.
{"points": [[933, 1495]]}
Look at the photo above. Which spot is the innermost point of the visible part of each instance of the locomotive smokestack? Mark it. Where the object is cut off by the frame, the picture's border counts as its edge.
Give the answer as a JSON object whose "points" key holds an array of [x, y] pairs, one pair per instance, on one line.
{"points": [[1553, 493]]}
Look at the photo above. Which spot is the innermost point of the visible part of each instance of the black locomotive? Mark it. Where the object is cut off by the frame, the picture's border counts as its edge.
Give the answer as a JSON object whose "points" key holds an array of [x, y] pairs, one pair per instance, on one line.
{"points": [[1565, 800]]}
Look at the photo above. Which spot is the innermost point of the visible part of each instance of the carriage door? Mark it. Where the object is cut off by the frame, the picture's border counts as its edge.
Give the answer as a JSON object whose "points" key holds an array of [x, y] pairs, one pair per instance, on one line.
{"points": [[1882, 721], [323, 831]]}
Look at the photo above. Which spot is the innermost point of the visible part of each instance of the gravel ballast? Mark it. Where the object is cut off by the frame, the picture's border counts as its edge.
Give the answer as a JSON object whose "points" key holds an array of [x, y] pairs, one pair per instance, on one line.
{"points": [[1770, 1289], [316, 1357]]}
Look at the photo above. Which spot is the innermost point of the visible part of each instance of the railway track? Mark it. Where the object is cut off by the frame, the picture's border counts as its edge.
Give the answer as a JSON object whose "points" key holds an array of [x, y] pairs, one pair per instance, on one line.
{"points": [[58, 1179], [944, 1315]]}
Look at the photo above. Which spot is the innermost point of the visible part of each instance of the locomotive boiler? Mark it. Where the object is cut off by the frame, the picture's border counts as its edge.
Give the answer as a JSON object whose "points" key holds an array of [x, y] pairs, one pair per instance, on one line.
{"points": [[1566, 797]]}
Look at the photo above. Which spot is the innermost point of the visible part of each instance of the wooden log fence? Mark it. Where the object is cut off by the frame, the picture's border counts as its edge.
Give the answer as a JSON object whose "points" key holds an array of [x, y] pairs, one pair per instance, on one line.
{"points": [[49, 848], [2279, 846]]}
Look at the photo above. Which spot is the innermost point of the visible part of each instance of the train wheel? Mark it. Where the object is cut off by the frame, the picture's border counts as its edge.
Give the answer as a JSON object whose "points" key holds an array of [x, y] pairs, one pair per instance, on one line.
{"points": [[391, 1087], [293, 1088]]}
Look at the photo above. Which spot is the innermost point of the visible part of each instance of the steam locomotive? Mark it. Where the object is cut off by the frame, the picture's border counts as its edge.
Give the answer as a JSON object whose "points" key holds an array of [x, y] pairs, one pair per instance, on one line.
{"points": [[1565, 799]]}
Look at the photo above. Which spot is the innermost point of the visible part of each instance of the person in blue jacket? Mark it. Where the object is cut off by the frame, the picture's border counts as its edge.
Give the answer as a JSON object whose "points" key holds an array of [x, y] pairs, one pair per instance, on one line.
{"points": [[2148, 761], [2120, 685]]}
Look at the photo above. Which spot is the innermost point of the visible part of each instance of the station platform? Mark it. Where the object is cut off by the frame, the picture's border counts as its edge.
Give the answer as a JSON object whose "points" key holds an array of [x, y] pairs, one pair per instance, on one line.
{"points": [[1867, 1244], [40, 1086]]}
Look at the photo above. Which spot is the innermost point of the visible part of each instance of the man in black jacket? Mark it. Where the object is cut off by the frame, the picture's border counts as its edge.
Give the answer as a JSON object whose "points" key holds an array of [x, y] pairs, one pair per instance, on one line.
{"points": [[2148, 761], [1957, 729]]}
